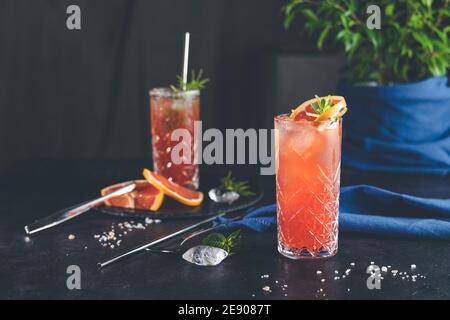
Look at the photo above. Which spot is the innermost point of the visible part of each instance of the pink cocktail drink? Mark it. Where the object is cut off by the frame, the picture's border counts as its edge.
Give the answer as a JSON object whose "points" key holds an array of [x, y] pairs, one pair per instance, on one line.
{"points": [[170, 111], [308, 160]]}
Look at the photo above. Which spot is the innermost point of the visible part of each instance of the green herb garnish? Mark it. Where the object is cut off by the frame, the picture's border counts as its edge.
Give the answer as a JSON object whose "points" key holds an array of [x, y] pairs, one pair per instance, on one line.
{"points": [[229, 183], [321, 105], [197, 82], [227, 243]]}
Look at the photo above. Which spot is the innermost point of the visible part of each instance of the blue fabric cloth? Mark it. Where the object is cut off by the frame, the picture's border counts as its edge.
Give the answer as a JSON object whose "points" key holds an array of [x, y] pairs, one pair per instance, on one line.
{"points": [[401, 128], [372, 210]]}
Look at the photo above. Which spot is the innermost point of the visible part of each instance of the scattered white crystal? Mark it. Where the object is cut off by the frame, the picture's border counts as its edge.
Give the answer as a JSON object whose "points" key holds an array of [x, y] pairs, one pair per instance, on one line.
{"points": [[347, 272], [220, 195], [148, 220], [318, 272], [267, 289], [352, 264], [413, 267], [323, 280], [205, 255], [384, 269]]}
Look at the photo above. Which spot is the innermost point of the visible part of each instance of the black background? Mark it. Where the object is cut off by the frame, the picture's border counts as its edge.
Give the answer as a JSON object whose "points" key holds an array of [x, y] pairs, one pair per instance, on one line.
{"points": [[84, 94]]}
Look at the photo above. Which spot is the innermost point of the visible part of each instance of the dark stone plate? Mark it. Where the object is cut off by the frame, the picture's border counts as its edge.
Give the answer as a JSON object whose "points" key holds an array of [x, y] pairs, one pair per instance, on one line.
{"points": [[174, 210]]}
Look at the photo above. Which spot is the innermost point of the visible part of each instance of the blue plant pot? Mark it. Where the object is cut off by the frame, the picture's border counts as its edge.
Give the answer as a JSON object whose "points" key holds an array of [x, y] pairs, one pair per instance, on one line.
{"points": [[403, 128]]}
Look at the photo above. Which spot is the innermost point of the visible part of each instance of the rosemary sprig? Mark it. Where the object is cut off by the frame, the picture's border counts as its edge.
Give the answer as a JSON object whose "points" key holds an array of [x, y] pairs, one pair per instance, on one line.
{"points": [[321, 105], [227, 243], [197, 82], [229, 183]]}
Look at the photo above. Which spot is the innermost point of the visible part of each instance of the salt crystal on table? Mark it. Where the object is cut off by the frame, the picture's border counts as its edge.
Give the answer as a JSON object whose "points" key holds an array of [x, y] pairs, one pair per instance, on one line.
{"points": [[319, 272]]}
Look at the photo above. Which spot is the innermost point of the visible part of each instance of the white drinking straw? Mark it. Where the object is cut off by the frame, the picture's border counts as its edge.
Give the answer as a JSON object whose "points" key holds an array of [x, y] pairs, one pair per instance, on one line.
{"points": [[186, 60]]}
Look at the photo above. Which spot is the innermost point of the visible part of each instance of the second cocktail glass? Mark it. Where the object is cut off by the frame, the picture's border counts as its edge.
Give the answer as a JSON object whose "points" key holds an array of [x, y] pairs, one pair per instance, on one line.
{"points": [[169, 111]]}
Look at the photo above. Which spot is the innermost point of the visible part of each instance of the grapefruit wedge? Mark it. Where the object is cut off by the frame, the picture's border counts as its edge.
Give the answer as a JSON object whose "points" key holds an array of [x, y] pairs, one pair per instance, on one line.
{"points": [[145, 196], [306, 111], [175, 191]]}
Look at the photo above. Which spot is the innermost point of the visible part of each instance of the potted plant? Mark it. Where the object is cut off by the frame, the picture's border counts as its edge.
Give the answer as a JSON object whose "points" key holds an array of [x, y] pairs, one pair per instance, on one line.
{"points": [[394, 79]]}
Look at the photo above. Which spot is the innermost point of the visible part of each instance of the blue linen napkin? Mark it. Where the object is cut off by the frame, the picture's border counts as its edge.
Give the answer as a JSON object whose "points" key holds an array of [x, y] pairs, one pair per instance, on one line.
{"points": [[398, 128], [371, 210]]}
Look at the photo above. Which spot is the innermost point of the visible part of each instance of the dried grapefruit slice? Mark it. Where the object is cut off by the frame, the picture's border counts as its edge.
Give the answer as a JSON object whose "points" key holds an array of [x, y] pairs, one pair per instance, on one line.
{"points": [[184, 195], [306, 111], [144, 196]]}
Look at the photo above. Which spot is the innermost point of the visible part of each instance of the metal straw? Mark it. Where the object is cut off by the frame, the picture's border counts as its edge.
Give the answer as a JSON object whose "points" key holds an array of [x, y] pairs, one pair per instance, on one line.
{"points": [[186, 59], [72, 212], [157, 241]]}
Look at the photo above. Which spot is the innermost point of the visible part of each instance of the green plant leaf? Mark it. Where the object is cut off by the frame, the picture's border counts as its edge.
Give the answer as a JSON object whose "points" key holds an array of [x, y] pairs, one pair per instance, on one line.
{"points": [[423, 40], [217, 240], [197, 82], [428, 3], [231, 184], [227, 243], [412, 44], [310, 14], [389, 10], [323, 36]]}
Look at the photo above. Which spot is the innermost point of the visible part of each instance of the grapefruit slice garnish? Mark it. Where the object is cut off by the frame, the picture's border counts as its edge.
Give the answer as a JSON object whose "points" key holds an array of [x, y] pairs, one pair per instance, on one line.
{"points": [[175, 191], [144, 196], [306, 111]]}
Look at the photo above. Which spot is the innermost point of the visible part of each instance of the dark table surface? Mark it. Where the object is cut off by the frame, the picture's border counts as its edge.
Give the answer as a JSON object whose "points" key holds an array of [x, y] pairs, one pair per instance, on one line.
{"points": [[35, 268]]}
